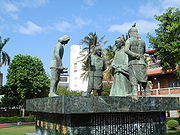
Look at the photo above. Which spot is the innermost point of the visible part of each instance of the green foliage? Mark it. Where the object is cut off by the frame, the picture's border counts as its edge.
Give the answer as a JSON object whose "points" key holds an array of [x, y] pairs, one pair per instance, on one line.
{"points": [[26, 79], [16, 119], [173, 118], [173, 132], [106, 89], [167, 40], [4, 57], [109, 55], [63, 91], [172, 124]]}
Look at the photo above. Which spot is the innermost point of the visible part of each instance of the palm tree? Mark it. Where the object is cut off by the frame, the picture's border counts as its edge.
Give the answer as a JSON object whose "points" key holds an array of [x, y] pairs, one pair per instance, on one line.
{"points": [[91, 41], [4, 57], [109, 55]]}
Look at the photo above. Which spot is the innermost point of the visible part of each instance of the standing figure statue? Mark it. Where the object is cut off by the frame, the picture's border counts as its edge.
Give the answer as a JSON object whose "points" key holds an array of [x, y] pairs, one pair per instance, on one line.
{"points": [[121, 84], [56, 64], [96, 65], [135, 49]]}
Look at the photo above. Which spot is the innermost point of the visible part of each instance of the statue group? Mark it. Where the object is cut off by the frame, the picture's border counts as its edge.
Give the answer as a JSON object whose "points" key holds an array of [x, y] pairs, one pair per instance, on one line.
{"points": [[128, 66]]}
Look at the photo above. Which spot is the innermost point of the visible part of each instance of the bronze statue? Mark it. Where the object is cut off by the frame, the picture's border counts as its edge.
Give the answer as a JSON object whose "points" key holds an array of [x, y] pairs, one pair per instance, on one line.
{"points": [[135, 49], [121, 84], [56, 64], [96, 67]]}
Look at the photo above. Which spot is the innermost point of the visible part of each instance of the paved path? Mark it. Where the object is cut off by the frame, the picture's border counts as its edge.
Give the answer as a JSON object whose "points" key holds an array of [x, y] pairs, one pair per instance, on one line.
{"points": [[15, 124]]}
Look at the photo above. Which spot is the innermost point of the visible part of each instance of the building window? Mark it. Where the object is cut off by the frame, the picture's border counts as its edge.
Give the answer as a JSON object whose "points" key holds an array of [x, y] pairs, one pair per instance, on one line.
{"points": [[63, 79], [174, 83]]}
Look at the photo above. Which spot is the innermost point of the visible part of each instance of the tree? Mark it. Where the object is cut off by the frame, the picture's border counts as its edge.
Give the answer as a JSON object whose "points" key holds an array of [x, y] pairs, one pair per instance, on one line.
{"points": [[4, 57], [167, 40], [26, 79], [91, 41], [109, 55]]}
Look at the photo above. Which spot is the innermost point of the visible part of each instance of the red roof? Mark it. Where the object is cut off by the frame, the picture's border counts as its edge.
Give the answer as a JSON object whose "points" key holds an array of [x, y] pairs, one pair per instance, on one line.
{"points": [[151, 51], [158, 71]]}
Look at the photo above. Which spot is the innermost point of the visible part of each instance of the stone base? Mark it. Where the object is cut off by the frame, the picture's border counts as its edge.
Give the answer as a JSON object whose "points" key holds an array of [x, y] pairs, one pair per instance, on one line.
{"points": [[66, 115], [149, 123]]}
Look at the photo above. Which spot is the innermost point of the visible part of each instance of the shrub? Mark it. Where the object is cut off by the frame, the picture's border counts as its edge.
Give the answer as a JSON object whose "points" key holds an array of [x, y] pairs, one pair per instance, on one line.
{"points": [[63, 91], [172, 124], [173, 118], [16, 119]]}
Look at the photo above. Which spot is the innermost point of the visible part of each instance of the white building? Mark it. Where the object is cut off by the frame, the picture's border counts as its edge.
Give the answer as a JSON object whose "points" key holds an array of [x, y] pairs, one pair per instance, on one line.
{"points": [[64, 80], [76, 82]]}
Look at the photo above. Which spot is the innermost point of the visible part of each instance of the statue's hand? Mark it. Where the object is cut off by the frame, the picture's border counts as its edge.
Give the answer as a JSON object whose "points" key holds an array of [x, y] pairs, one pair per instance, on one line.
{"points": [[60, 68], [138, 56]]}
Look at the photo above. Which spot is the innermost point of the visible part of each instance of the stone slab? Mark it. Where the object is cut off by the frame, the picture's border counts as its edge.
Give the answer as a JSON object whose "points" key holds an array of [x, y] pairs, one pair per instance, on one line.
{"points": [[100, 104]]}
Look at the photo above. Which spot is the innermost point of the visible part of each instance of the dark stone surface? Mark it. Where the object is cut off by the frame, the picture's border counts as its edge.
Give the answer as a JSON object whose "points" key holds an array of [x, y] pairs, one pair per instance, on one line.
{"points": [[131, 123], [100, 104]]}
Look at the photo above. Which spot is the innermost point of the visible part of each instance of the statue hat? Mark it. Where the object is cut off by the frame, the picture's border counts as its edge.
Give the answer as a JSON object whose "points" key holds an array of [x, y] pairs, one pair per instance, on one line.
{"points": [[64, 38], [133, 29]]}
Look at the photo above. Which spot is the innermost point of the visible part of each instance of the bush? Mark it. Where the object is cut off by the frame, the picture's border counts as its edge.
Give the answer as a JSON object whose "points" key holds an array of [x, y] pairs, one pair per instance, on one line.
{"points": [[63, 91], [16, 119], [172, 124], [173, 132], [173, 118]]}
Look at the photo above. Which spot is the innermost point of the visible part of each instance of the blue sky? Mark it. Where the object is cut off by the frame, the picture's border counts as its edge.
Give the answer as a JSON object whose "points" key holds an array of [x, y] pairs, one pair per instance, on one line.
{"points": [[34, 26]]}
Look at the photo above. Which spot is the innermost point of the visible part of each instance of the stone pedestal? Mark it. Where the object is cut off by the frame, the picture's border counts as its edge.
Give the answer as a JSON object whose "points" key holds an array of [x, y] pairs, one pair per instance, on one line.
{"points": [[71, 115]]}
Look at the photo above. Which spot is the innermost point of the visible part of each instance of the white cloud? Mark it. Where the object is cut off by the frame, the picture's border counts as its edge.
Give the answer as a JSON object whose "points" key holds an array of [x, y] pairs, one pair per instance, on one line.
{"points": [[143, 27], [156, 7], [79, 22], [10, 7], [170, 3], [89, 3], [63, 26], [30, 29], [149, 10], [31, 3]]}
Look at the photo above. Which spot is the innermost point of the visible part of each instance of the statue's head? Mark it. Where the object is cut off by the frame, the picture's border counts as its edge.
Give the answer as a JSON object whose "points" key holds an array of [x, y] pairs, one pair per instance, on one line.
{"points": [[64, 39], [133, 31], [98, 50], [120, 41]]}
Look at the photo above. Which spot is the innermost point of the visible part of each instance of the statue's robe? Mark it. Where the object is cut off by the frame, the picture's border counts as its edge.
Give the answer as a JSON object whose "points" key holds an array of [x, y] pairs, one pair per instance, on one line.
{"points": [[121, 84]]}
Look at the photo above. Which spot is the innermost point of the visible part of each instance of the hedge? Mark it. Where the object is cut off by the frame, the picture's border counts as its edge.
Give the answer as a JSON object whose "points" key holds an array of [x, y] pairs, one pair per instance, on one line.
{"points": [[173, 118], [16, 119], [173, 132]]}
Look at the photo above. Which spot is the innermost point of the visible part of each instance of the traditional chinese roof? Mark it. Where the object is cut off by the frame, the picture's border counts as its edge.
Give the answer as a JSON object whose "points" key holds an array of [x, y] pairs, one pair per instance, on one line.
{"points": [[151, 51], [158, 71]]}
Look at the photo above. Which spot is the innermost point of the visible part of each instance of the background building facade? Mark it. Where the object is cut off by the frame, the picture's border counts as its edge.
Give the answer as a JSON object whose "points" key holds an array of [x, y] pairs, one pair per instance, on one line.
{"points": [[76, 81]]}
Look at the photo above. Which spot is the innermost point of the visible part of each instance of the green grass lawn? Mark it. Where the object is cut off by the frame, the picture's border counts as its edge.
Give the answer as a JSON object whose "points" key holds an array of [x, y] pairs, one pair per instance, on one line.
{"points": [[17, 130]]}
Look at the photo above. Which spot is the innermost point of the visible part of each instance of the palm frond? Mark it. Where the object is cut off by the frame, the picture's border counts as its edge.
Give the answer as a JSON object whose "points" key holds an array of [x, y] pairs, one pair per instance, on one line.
{"points": [[3, 43], [92, 41], [5, 58]]}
